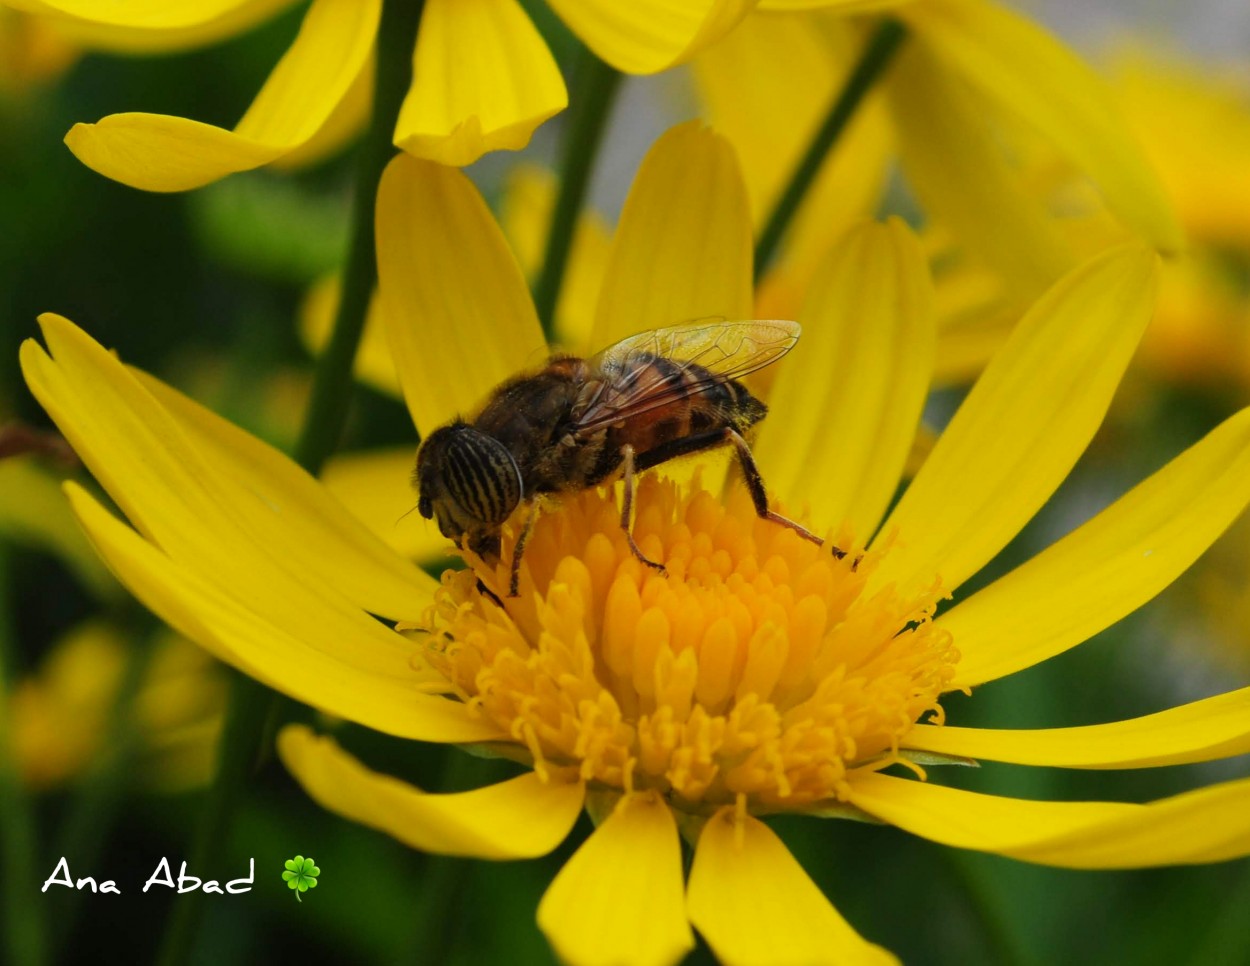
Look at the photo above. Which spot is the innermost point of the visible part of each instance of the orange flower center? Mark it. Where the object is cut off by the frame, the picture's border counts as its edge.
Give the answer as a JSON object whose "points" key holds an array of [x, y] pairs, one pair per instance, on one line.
{"points": [[758, 669]]}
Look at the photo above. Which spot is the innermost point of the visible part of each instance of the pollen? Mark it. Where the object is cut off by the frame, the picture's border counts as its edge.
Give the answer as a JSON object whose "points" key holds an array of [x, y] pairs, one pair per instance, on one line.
{"points": [[759, 668]]}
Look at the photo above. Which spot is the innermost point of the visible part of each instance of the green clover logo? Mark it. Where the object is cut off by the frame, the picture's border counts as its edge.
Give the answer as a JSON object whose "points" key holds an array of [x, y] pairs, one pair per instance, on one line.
{"points": [[301, 875]]}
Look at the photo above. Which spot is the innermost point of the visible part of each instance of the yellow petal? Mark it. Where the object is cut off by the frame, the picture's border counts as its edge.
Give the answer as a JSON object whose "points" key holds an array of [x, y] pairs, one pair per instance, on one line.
{"points": [[525, 216], [360, 670], [756, 906], [975, 317], [161, 153], [205, 491], [483, 80], [956, 165], [842, 6], [619, 898], [682, 249], [646, 36], [457, 311], [374, 365], [845, 407], [1028, 72], [521, 818], [1216, 727], [1025, 422], [138, 14], [143, 27], [345, 123], [1208, 825], [801, 61], [294, 513], [1108, 567], [1194, 122], [376, 488]]}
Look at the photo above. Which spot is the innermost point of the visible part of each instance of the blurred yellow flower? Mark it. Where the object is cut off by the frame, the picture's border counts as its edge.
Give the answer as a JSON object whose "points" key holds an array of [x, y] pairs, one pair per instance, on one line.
{"points": [[32, 51], [59, 716], [761, 675], [1194, 121], [483, 77], [1194, 125], [970, 81]]}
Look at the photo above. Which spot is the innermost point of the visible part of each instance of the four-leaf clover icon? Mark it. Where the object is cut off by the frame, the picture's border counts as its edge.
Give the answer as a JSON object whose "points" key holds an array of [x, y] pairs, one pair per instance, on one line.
{"points": [[301, 874]]}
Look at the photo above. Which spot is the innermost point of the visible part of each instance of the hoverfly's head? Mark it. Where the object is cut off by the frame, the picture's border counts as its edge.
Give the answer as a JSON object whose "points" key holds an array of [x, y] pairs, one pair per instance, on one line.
{"points": [[469, 484]]}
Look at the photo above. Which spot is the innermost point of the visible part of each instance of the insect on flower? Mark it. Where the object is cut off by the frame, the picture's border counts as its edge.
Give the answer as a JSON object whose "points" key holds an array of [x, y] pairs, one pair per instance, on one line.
{"points": [[577, 422]]}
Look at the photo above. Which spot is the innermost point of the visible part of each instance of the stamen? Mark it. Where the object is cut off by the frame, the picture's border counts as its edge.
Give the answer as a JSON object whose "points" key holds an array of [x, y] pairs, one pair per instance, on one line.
{"points": [[757, 673]]}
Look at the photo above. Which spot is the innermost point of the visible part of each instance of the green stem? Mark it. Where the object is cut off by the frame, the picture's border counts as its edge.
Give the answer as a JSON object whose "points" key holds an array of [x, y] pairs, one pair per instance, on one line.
{"points": [[974, 875], [251, 703], [878, 52], [1222, 940], [445, 878], [332, 385], [595, 88], [237, 753], [98, 799], [23, 943]]}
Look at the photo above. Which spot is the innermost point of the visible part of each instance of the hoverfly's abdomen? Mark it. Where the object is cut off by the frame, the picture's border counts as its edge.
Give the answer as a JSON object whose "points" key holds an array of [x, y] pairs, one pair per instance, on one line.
{"points": [[701, 403]]}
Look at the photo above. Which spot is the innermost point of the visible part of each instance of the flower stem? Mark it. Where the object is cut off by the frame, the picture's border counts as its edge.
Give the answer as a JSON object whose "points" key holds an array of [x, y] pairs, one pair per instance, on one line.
{"points": [[332, 382], [251, 703], [596, 86], [24, 937], [445, 878], [878, 52], [93, 813]]}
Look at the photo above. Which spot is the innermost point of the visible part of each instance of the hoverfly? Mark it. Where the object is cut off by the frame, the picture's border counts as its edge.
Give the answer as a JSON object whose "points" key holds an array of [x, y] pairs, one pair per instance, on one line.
{"points": [[577, 422]]}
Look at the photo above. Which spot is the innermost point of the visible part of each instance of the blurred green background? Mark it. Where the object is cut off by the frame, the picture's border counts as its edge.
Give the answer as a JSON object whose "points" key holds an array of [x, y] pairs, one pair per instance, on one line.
{"points": [[204, 289]]}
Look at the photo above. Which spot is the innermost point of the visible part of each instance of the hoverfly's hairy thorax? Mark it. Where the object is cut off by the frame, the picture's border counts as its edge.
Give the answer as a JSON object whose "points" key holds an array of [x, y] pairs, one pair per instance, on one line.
{"points": [[534, 417]]}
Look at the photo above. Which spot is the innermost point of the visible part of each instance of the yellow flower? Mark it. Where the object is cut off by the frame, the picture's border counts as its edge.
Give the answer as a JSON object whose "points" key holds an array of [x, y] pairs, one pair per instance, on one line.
{"points": [[969, 82], [761, 675], [59, 716], [32, 51], [1194, 125], [483, 77], [1194, 121]]}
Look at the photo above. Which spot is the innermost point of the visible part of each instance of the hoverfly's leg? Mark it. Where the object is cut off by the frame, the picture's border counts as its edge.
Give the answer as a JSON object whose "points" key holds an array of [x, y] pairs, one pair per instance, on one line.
{"points": [[487, 592], [627, 508], [759, 496], [527, 528]]}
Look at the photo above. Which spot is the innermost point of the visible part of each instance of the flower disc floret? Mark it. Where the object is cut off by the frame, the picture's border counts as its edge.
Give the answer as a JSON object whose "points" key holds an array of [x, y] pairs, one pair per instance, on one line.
{"points": [[759, 670]]}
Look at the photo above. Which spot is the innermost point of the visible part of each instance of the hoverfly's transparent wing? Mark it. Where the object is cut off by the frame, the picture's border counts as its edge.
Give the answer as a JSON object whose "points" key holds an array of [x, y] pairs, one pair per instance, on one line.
{"points": [[656, 368]]}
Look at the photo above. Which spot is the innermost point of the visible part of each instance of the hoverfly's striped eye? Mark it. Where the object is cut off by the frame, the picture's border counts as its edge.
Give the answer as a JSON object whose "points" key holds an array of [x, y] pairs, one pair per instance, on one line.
{"points": [[481, 476]]}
